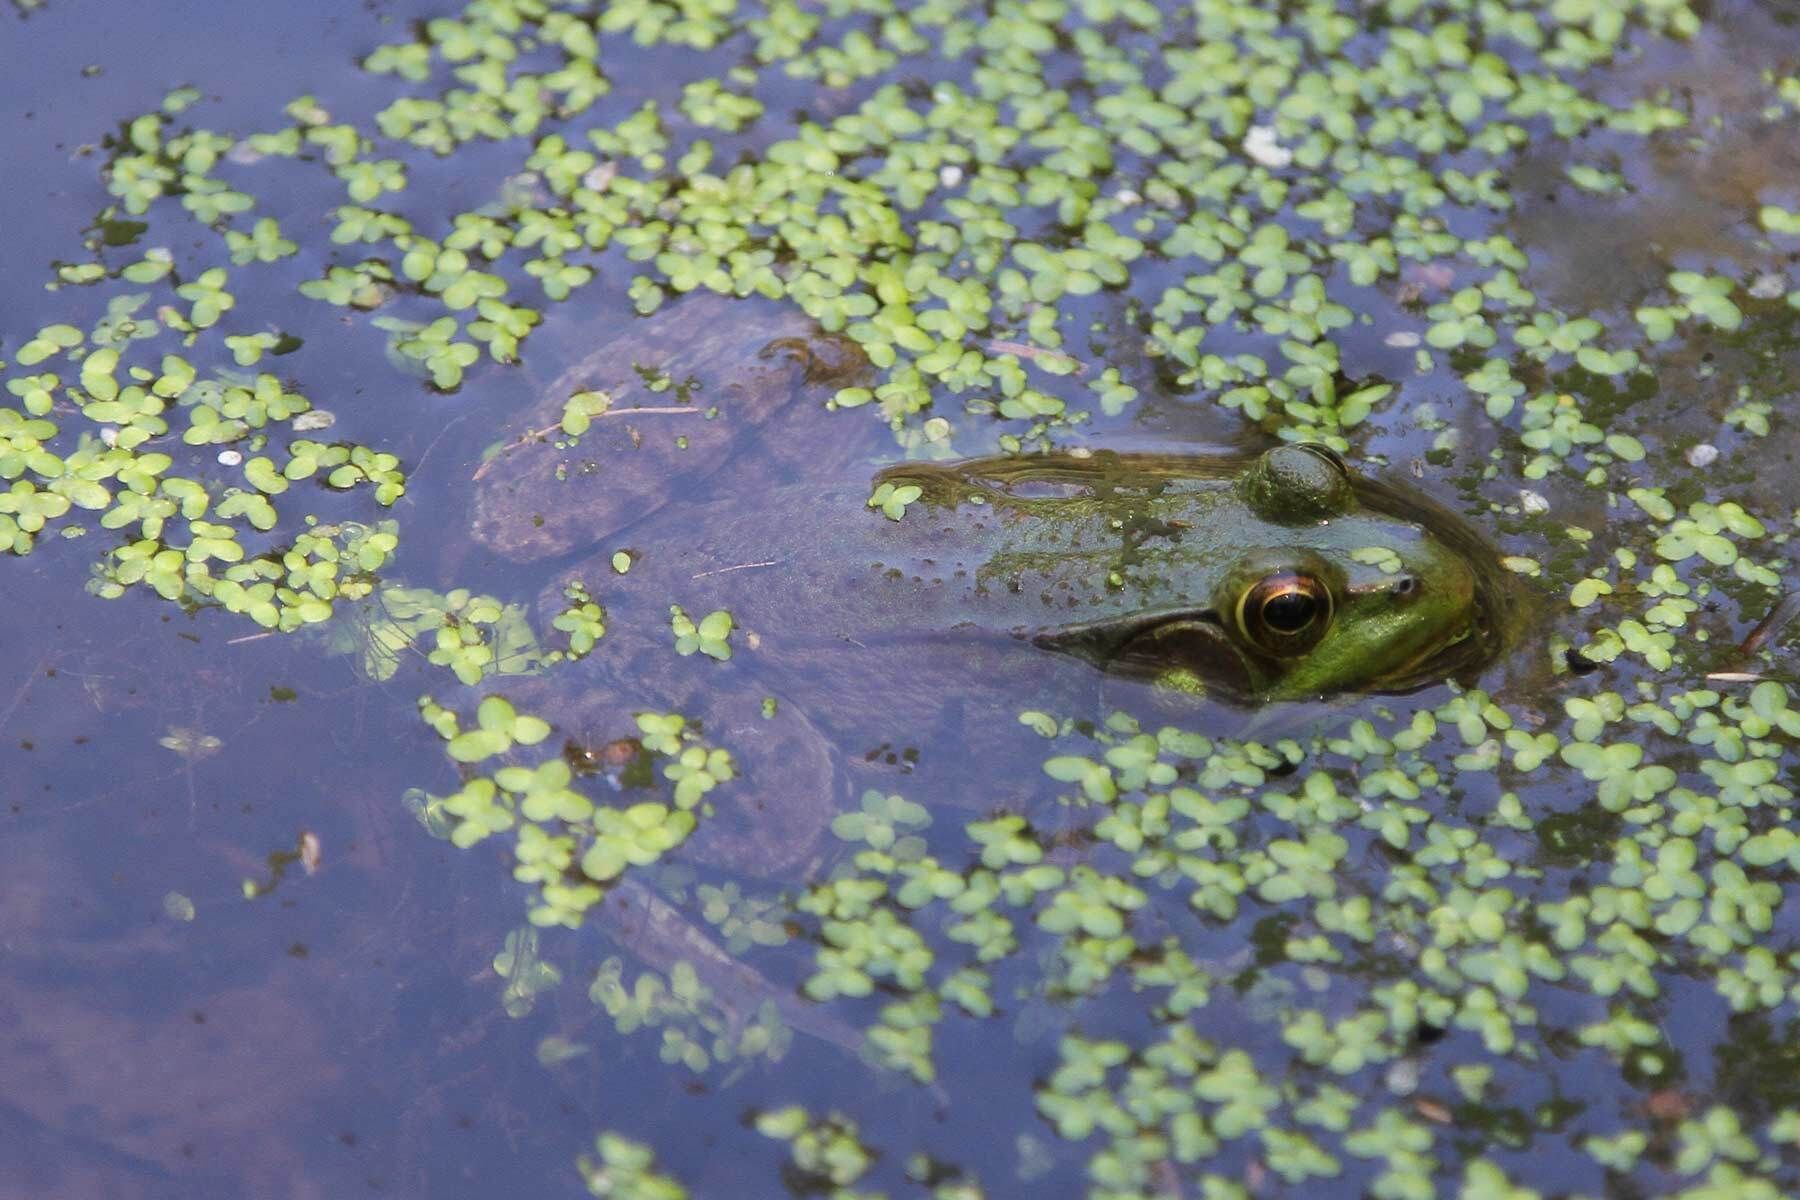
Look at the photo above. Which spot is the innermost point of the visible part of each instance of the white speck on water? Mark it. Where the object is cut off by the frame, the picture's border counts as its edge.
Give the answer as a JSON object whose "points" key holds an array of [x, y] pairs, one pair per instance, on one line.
{"points": [[1768, 286], [1403, 1077], [1261, 146]]}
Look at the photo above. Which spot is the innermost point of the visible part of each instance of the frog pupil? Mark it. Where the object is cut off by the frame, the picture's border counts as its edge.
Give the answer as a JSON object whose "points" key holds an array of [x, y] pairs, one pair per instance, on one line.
{"points": [[1289, 612]]}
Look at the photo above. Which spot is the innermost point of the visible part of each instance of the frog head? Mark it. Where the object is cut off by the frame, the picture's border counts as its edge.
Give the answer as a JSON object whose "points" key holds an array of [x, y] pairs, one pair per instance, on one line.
{"points": [[1308, 580]]}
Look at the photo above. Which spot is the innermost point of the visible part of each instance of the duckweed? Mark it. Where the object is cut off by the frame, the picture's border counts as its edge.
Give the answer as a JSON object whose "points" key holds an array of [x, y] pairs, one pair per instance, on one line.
{"points": [[1425, 921], [584, 621], [709, 636]]}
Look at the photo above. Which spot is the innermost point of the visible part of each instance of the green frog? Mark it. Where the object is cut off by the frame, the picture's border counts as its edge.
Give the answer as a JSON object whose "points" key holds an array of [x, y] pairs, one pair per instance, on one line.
{"points": [[898, 633], [1278, 576], [888, 623]]}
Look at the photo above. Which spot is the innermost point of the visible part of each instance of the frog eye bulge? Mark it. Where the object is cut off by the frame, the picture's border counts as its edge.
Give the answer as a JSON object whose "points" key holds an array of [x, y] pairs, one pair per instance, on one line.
{"points": [[1325, 454], [1285, 614]]}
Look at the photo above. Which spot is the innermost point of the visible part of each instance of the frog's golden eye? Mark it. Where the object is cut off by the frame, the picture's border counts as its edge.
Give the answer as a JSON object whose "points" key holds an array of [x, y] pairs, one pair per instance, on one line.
{"points": [[1285, 614]]}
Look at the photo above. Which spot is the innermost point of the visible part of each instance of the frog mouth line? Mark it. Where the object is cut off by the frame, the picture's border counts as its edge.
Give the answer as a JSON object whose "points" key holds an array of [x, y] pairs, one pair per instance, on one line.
{"points": [[1443, 662], [1233, 671], [1126, 647], [1101, 641]]}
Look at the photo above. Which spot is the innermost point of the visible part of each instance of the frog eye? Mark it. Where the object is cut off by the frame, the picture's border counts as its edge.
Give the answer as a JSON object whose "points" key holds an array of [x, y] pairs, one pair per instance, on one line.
{"points": [[1286, 613]]}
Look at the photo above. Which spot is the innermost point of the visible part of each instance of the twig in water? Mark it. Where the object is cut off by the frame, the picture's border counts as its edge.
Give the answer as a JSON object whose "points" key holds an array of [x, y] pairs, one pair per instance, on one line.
{"points": [[24, 686], [773, 562]]}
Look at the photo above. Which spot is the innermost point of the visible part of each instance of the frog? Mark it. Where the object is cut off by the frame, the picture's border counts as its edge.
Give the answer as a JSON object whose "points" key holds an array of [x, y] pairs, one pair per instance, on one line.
{"points": [[879, 608], [890, 619], [1284, 576]]}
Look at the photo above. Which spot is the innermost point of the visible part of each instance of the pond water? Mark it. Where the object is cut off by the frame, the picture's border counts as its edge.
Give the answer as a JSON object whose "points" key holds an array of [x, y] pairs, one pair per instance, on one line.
{"points": [[346, 852]]}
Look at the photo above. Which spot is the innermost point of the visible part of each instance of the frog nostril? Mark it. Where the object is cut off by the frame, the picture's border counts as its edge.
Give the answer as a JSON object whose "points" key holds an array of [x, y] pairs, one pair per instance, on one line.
{"points": [[1404, 587]]}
